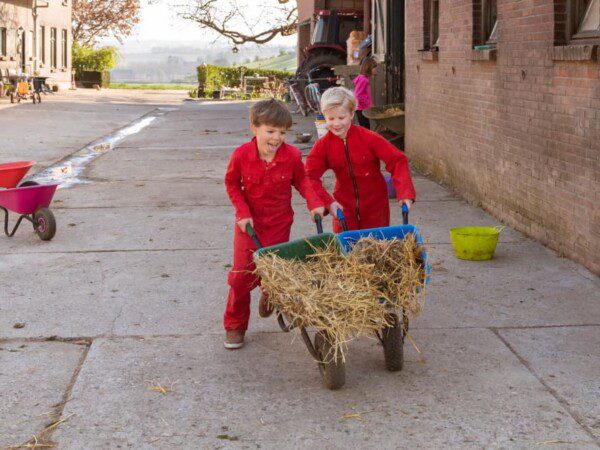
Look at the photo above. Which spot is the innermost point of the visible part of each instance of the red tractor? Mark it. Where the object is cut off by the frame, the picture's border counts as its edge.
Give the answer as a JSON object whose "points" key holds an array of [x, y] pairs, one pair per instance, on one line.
{"points": [[328, 45]]}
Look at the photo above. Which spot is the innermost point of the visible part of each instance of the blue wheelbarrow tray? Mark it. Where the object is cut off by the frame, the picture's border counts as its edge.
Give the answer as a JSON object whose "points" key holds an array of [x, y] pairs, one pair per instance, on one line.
{"points": [[348, 239]]}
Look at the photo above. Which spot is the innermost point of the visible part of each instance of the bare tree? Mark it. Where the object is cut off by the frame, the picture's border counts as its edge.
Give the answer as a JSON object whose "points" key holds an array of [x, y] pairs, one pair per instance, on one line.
{"points": [[95, 19], [270, 19]]}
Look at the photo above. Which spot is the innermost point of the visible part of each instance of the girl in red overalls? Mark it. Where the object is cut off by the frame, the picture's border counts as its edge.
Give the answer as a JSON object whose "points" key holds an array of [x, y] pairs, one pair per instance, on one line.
{"points": [[259, 181], [354, 154]]}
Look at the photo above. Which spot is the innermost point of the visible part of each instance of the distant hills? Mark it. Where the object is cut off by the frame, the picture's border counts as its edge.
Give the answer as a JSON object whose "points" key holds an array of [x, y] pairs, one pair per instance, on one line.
{"points": [[287, 61]]}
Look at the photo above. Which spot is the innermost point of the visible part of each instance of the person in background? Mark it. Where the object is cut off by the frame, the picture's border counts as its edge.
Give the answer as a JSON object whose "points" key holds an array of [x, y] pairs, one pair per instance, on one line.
{"points": [[362, 90]]}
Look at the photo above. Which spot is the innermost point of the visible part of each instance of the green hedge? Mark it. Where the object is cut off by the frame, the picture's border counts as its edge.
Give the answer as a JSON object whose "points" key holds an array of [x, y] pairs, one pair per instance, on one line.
{"points": [[213, 77]]}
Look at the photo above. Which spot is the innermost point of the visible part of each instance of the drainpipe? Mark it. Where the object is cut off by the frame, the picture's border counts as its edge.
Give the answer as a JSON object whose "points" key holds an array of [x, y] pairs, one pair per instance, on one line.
{"points": [[35, 4]]}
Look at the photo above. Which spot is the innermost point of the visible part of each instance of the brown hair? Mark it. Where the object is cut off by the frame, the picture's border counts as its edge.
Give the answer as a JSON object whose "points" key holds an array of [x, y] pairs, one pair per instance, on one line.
{"points": [[367, 66], [270, 112]]}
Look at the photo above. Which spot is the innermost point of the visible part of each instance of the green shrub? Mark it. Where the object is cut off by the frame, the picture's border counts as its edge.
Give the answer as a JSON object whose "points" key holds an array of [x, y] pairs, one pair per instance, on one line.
{"points": [[96, 60], [213, 77]]}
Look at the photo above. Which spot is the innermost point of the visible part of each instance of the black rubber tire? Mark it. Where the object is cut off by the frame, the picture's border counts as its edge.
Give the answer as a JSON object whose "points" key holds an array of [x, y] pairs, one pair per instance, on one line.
{"points": [[393, 345], [44, 224], [322, 58], [332, 371], [28, 183]]}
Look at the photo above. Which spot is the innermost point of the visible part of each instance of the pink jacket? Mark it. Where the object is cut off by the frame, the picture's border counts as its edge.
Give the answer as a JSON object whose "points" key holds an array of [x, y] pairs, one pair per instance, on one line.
{"points": [[362, 92]]}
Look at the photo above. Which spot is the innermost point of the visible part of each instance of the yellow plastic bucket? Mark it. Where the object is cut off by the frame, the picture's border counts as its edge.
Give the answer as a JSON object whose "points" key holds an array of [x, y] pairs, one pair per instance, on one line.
{"points": [[474, 243]]}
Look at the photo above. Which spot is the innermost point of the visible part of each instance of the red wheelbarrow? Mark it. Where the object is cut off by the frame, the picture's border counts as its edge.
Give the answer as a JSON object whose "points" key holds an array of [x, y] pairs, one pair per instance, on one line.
{"points": [[29, 199]]}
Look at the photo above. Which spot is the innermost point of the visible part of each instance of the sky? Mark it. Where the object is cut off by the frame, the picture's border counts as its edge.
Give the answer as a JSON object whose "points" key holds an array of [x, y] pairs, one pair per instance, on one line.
{"points": [[160, 23]]}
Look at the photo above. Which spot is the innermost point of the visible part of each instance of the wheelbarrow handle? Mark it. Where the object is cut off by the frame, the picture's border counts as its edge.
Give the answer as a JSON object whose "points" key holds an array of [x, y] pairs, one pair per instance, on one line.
{"points": [[319, 223], [404, 214], [253, 235], [342, 219]]}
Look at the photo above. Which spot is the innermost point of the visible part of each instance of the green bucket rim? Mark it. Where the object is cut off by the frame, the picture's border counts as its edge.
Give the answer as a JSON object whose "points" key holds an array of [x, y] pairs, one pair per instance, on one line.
{"points": [[485, 231]]}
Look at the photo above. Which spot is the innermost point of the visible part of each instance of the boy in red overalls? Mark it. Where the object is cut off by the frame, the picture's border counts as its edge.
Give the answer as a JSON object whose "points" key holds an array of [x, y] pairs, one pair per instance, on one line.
{"points": [[259, 181], [354, 154]]}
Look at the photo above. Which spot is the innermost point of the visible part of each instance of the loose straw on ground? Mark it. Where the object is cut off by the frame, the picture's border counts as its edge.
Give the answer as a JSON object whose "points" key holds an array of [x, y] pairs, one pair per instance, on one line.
{"points": [[346, 296]]}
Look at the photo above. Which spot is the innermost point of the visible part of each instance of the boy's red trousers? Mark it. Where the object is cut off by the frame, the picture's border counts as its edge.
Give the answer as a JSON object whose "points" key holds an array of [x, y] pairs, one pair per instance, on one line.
{"points": [[241, 278]]}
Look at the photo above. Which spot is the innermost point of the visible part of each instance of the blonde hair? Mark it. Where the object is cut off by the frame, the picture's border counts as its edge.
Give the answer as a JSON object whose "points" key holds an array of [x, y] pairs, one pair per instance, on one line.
{"points": [[338, 96]]}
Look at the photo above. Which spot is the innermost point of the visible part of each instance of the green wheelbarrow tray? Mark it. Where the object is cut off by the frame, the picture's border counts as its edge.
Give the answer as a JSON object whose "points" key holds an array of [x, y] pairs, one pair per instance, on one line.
{"points": [[299, 249], [388, 116], [333, 372]]}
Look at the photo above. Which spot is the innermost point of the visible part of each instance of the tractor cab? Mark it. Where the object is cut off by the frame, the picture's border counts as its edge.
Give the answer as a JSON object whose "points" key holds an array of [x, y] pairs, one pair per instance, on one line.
{"points": [[328, 45]]}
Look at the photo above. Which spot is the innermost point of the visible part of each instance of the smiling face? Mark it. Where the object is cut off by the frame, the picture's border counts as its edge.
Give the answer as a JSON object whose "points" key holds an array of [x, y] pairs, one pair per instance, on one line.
{"points": [[268, 139], [338, 120]]}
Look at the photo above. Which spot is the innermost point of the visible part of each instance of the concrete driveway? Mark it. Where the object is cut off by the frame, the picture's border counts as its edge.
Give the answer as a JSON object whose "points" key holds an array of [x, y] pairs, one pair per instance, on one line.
{"points": [[111, 334]]}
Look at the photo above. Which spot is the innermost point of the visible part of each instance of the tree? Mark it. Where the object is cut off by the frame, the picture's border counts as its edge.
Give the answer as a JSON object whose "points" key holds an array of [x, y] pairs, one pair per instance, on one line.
{"points": [[95, 19], [87, 58], [275, 17]]}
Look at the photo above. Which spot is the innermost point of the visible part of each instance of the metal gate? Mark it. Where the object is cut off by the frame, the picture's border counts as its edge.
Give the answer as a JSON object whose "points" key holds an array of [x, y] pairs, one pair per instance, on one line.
{"points": [[395, 55]]}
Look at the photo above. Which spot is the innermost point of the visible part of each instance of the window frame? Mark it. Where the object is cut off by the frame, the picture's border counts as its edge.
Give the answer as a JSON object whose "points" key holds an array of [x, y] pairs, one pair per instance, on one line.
{"points": [[379, 15], [574, 36], [53, 48], [432, 24], [64, 46], [3, 37], [489, 21], [42, 43]]}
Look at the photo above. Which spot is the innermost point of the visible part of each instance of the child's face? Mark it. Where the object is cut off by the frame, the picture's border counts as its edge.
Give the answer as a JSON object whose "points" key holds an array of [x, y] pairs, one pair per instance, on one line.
{"points": [[268, 139], [338, 120]]}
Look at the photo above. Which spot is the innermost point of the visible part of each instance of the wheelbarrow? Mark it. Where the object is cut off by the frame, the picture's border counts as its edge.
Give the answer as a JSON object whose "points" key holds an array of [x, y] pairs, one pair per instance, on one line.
{"points": [[332, 370], [29, 199], [391, 337], [390, 117]]}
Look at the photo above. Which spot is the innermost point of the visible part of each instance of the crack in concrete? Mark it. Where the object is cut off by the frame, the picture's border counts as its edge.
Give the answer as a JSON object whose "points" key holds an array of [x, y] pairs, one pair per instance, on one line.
{"points": [[559, 398], [83, 339]]}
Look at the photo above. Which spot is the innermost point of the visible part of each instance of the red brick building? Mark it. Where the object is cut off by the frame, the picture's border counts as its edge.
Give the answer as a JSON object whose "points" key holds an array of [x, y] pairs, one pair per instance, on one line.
{"points": [[503, 105]]}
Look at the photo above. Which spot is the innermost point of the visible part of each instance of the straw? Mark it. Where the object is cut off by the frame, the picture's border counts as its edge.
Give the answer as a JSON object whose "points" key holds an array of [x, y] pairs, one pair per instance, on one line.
{"points": [[346, 296]]}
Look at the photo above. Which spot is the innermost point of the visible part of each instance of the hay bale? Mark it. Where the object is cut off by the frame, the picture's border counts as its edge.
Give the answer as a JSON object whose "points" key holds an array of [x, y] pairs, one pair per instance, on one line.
{"points": [[346, 296]]}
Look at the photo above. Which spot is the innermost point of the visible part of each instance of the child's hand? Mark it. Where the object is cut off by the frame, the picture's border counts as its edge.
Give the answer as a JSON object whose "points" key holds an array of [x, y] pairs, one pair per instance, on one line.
{"points": [[320, 211], [407, 201], [242, 223], [333, 208]]}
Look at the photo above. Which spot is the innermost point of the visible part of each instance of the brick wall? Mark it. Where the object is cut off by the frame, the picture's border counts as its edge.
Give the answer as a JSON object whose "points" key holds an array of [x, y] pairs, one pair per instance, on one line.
{"points": [[519, 135]]}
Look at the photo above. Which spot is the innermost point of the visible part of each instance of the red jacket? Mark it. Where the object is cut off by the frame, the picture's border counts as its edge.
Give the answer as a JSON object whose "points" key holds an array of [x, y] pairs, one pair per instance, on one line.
{"points": [[264, 193], [370, 208]]}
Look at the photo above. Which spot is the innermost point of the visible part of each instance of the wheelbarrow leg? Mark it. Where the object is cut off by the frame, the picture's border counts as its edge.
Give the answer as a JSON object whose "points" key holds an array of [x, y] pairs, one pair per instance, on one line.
{"points": [[14, 230]]}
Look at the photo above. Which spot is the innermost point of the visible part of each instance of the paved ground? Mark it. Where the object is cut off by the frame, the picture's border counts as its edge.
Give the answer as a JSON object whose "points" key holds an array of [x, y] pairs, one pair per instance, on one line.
{"points": [[129, 297]]}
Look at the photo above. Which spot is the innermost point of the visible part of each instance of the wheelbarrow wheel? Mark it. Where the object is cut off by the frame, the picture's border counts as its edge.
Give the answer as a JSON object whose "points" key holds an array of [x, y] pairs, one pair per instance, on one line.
{"points": [[44, 224], [333, 370], [392, 338]]}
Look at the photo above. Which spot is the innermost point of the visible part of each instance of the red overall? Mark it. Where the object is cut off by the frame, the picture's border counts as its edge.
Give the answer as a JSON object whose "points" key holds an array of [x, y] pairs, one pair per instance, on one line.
{"points": [[360, 188], [264, 194]]}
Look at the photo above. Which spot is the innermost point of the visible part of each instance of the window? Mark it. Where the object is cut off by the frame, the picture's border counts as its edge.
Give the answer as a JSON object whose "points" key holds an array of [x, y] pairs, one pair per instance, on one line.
{"points": [[53, 48], [42, 43], [584, 20], [2, 41], [431, 24], [64, 48], [485, 22]]}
